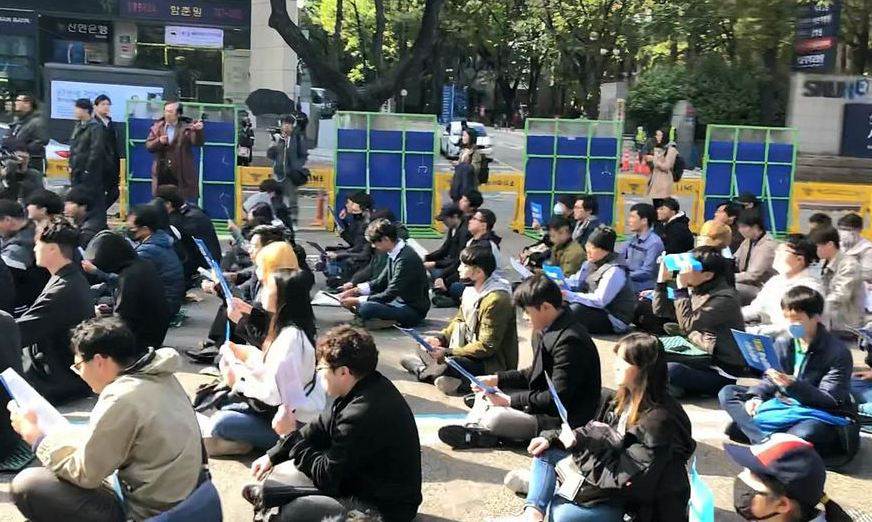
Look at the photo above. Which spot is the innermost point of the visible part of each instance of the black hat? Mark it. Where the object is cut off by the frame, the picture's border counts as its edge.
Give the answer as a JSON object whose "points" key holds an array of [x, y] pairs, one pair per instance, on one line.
{"points": [[603, 237], [449, 210]]}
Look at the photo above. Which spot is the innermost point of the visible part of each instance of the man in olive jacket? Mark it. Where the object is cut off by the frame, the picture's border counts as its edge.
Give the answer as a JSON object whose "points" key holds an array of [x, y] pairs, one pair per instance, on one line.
{"points": [[519, 405], [482, 337]]}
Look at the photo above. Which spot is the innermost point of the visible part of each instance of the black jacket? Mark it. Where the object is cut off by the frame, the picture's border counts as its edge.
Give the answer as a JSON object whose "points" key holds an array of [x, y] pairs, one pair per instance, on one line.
{"points": [[647, 468], [7, 296], [676, 234], [45, 335], [87, 156], [405, 278], [464, 180], [824, 380], [89, 228], [28, 278], [32, 129], [139, 293], [197, 224], [568, 354], [111, 154], [365, 447], [449, 251], [464, 240]]}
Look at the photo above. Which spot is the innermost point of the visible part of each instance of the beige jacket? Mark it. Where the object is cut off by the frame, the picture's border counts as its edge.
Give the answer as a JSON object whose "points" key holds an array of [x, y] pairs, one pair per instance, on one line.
{"points": [[660, 183], [759, 267], [844, 293], [143, 426]]}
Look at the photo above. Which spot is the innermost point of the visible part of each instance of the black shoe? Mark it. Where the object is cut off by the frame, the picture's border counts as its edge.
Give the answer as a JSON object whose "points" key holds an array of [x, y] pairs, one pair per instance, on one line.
{"points": [[735, 434], [469, 400], [334, 282], [205, 355], [463, 437]]}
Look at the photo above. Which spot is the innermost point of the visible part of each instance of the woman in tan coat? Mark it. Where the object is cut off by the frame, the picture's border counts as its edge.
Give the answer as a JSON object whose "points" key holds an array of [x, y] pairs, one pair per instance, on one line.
{"points": [[662, 160]]}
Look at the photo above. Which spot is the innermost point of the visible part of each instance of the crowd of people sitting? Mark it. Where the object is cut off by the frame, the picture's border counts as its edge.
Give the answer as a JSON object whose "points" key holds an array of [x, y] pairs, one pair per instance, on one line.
{"points": [[89, 309]]}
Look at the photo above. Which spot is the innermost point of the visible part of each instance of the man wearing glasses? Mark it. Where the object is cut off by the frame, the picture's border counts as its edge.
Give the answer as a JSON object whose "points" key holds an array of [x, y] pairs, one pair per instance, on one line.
{"points": [[366, 447]]}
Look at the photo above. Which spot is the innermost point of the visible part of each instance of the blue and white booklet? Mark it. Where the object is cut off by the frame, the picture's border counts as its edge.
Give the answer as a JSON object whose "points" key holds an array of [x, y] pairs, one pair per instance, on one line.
{"points": [[555, 273], [561, 409], [448, 360], [218, 274], [519, 267], [536, 212], [758, 350], [684, 262]]}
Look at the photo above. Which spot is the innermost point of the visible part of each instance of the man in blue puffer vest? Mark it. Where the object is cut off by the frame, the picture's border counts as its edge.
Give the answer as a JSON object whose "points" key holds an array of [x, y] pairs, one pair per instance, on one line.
{"points": [[156, 245]]}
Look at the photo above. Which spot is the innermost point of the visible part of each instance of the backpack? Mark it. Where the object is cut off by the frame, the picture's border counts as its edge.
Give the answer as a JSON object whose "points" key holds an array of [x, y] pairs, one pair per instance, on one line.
{"points": [[678, 167], [484, 170]]}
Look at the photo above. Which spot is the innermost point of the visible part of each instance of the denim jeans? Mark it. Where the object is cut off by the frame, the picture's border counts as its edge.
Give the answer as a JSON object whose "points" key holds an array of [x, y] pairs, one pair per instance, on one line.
{"points": [[236, 422], [473, 366], [543, 482], [405, 315], [696, 381], [862, 392], [824, 436]]}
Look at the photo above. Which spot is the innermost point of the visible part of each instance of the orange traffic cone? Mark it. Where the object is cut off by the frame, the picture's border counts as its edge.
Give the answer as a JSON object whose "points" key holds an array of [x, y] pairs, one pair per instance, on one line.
{"points": [[320, 206]]}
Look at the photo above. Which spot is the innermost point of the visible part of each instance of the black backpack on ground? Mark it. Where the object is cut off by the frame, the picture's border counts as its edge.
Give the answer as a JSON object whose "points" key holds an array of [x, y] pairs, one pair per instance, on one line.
{"points": [[484, 170]]}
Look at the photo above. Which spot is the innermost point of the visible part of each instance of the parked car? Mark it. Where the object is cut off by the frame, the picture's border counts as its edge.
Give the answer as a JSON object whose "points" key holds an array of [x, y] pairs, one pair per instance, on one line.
{"points": [[450, 144], [324, 100]]}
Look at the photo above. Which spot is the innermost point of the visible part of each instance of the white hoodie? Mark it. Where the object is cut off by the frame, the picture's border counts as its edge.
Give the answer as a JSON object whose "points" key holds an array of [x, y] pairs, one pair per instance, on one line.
{"points": [[766, 307]]}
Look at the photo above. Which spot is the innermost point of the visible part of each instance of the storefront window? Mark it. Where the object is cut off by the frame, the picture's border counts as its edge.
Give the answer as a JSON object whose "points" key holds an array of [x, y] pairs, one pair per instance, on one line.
{"points": [[79, 41]]}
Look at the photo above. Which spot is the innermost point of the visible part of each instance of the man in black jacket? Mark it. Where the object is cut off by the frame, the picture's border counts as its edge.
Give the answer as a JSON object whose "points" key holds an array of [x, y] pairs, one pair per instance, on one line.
{"points": [[673, 227], [449, 252], [365, 447], [192, 222], [522, 406], [111, 155], [88, 156], [30, 127], [816, 372], [16, 251], [77, 206], [45, 326], [399, 294]]}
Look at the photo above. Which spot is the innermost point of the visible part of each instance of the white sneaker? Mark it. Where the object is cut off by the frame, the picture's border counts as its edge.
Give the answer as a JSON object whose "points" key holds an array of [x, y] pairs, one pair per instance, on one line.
{"points": [[518, 481], [447, 385]]}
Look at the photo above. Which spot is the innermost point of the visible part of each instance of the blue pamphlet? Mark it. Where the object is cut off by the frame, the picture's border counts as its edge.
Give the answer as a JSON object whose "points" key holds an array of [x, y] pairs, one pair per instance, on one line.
{"points": [[561, 409], [758, 350], [555, 273], [683, 262], [649, 294], [536, 212], [216, 269], [448, 360]]}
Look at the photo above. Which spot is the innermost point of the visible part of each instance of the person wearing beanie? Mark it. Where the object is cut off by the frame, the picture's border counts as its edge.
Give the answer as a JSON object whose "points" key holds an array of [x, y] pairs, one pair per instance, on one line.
{"points": [[782, 480], [87, 156], [602, 297]]}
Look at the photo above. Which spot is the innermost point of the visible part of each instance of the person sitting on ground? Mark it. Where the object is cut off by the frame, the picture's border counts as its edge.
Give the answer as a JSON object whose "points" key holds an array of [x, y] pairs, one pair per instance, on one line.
{"points": [[584, 214], [17, 235], [45, 326], [727, 213], [286, 360], [481, 231], [792, 260], [345, 452], [378, 260], [861, 381], [754, 257], [44, 205], [749, 202], [632, 456], [536, 254], [643, 247], [270, 192], [192, 221], [482, 337], [399, 293], [706, 309], [469, 205], [134, 286], [850, 227], [715, 234], [816, 374], [343, 262], [449, 252], [841, 281], [142, 427], [7, 297], [601, 296], [237, 256], [156, 245], [522, 406], [673, 227], [77, 207], [782, 480], [565, 253], [819, 220]]}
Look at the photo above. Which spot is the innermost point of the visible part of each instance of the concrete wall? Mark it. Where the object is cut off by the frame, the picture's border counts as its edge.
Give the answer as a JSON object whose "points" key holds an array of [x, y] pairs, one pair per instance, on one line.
{"points": [[815, 108], [273, 63]]}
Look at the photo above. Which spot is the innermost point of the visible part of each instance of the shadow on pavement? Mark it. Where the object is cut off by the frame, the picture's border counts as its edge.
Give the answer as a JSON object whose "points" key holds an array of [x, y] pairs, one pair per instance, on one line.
{"points": [[444, 467]]}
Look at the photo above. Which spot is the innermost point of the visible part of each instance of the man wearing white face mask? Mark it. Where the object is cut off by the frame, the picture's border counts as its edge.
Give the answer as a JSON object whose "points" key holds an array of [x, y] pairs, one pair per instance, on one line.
{"points": [[817, 374], [858, 247], [792, 260]]}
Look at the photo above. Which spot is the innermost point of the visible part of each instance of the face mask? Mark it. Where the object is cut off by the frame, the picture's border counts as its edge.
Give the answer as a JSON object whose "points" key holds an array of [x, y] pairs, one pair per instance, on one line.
{"points": [[743, 496], [796, 330], [780, 264], [848, 238], [559, 209]]}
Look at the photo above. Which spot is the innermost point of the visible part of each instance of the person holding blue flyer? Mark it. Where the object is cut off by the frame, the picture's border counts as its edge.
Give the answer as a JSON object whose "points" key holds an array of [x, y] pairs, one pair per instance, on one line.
{"points": [[643, 247], [815, 381], [706, 309], [522, 406]]}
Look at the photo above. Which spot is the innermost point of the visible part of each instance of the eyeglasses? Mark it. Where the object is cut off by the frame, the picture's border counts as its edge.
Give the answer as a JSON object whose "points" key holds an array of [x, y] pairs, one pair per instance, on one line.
{"points": [[76, 367], [323, 367]]}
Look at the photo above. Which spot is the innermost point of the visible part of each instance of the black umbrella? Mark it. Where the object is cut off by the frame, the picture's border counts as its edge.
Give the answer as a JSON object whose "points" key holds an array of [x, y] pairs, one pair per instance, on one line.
{"points": [[268, 101]]}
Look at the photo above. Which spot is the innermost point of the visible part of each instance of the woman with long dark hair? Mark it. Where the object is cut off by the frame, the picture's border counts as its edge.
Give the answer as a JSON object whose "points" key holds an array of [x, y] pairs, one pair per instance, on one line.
{"points": [[630, 459], [467, 166], [274, 386]]}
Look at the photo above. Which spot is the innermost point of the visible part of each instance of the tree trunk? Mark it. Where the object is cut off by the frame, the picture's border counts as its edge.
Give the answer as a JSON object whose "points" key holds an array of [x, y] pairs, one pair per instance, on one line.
{"points": [[533, 83], [767, 96], [337, 35]]}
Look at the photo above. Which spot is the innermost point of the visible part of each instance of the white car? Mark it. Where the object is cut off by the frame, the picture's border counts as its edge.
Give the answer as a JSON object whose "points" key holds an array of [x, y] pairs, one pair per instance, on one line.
{"points": [[450, 144]]}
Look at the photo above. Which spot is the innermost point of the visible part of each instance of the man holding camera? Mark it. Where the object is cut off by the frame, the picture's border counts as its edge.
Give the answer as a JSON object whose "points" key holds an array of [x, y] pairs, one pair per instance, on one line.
{"points": [[18, 180], [288, 153], [171, 140]]}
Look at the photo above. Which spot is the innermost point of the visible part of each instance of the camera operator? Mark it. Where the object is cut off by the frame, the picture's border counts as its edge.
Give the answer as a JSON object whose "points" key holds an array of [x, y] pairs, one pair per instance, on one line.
{"points": [[288, 153], [30, 128], [18, 180]]}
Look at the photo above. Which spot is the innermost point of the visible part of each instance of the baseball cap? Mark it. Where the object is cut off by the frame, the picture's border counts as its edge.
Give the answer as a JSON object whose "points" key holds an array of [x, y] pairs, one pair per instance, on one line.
{"points": [[789, 460], [449, 210]]}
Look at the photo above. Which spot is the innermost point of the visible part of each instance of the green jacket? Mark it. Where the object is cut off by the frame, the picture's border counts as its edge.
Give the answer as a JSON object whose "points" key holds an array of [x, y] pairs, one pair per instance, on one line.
{"points": [[406, 279], [494, 336], [568, 257]]}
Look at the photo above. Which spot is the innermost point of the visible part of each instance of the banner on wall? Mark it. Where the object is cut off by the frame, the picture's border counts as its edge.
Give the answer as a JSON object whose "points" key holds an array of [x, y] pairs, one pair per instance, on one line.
{"points": [[65, 93], [816, 43], [208, 37]]}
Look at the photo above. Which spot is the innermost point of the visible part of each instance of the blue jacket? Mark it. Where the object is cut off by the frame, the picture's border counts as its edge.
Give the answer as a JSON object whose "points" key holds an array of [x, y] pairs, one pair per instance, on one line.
{"points": [[158, 249], [824, 380], [640, 256]]}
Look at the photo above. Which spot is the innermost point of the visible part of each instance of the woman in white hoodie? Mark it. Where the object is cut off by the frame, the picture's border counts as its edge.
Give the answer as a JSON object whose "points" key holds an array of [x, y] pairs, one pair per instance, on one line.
{"points": [[276, 383]]}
